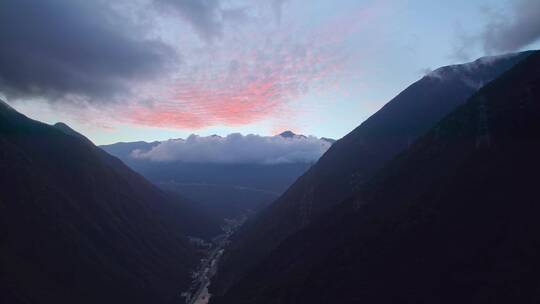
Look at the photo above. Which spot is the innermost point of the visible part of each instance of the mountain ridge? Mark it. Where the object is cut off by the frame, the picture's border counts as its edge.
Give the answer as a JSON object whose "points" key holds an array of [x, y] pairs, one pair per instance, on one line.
{"points": [[79, 226], [351, 161], [452, 219]]}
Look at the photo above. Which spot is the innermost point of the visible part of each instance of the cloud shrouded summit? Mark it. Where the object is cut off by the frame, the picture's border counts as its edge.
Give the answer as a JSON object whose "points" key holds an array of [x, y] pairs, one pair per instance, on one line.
{"points": [[238, 149]]}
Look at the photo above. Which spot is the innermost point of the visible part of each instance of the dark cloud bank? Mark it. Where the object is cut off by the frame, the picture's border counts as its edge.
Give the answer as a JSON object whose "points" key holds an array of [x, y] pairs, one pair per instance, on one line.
{"points": [[65, 49], [78, 50]]}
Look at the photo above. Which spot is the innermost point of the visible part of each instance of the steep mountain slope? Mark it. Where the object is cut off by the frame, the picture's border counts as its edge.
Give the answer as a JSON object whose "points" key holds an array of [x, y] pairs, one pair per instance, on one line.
{"points": [[78, 226], [198, 220], [352, 160], [452, 220]]}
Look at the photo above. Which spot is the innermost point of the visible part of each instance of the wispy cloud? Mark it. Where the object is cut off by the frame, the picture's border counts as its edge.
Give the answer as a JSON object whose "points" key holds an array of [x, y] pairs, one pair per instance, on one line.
{"points": [[247, 85], [506, 30], [206, 17], [252, 75], [512, 31], [277, 6], [236, 66]]}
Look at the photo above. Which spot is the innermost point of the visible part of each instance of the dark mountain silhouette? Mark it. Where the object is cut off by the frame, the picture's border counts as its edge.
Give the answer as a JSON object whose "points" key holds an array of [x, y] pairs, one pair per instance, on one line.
{"points": [[69, 131], [352, 160], [287, 134], [330, 140], [291, 134], [454, 219], [78, 226]]}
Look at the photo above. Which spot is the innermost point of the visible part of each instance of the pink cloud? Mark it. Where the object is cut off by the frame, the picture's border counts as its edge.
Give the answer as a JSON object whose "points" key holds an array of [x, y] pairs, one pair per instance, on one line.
{"points": [[238, 100], [251, 76]]}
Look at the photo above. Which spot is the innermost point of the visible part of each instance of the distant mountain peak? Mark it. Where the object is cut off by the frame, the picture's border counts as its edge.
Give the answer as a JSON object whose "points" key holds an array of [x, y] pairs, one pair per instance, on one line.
{"points": [[287, 134], [330, 140]]}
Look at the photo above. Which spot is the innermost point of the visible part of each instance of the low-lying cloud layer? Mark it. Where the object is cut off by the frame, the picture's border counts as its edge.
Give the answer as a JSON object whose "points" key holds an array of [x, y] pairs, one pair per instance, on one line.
{"points": [[238, 149]]}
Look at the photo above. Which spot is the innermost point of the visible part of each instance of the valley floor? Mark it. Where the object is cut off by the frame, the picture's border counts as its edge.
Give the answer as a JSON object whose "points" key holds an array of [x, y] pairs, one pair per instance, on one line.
{"points": [[198, 293]]}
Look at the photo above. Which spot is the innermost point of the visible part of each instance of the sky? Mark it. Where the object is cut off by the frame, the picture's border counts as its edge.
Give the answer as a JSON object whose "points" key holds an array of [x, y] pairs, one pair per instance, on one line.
{"points": [[130, 70]]}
